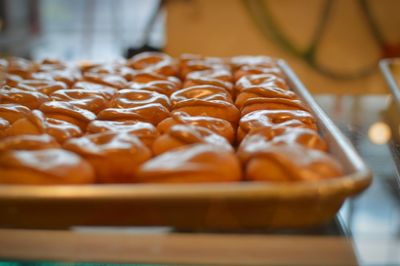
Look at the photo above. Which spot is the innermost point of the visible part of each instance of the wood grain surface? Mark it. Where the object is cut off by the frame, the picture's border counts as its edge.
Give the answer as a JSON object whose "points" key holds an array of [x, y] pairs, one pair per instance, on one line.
{"points": [[175, 248]]}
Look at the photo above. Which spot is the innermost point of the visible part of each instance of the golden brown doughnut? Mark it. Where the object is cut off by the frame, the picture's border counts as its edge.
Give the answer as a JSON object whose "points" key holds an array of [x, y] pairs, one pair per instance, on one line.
{"points": [[68, 112], [222, 74], [10, 80], [215, 108], [272, 119], [288, 163], [281, 136], [255, 104], [68, 76], [20, 67], [128, 98], [262, 92], [252, 60], [109, 80], [115, 157], [44, 167], [198, 163], [179, 136], [4, 126], [30, 99], [44, 86], [228, 86], [201, 65], [259, 81], [203, 92], [106, 92], [153, 113], [37, 123], [28, 142], [146, 132], [12, 112], [86, 99], [216, 125], [156, 62], [49, 64], [247, 70]]}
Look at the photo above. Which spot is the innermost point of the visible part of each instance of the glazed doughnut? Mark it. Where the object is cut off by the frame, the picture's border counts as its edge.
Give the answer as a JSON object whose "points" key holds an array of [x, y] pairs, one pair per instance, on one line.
{"points": [[262, 92], [68, 76], [86, 99], [156, 62], [44, 167], [202, 92], [68, 112], [255, 104], [215, 108], [37, 123], [208, 81], [12, 112], [146, 132], [289, 163], [280, 136], [30, 99], [106, 92], [114, 69], [128, 98], [216, 125], [109, 80], [44, 86], [255, 70], [4, 126], [260, 81], [115, 157], [198, 163], [10, 80], [255, 61], [272, 119], [179, 136], [221, 74], [153, 113], [20, 67], [49, 64], [28, 142], [200, 65]]}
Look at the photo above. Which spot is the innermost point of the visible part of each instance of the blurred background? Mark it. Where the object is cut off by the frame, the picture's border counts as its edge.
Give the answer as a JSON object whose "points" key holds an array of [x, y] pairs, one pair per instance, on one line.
{"points": [[334, 45]]}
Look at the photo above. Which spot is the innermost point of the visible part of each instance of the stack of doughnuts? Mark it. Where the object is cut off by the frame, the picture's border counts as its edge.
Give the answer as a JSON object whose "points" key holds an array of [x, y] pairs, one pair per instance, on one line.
{"points": [[154, 118]]}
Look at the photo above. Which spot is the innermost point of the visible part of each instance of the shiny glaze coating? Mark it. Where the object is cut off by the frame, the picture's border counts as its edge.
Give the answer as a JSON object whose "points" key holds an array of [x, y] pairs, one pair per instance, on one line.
{"points": [[215, 108], [198, 163], [128, 98], [179, 136], [28, 142], [30, 99], [153, 113], [263, 92], [288, 163], [260, 103], [203, 92], [216, 125], [38, 123], [146, 132], [69, 112], [272, 119], [12, 112], [115, 157], [45, 167]]}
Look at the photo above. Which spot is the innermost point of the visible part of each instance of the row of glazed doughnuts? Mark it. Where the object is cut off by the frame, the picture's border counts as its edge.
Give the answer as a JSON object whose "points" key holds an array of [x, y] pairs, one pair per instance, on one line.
{"points": [[152, 119]]}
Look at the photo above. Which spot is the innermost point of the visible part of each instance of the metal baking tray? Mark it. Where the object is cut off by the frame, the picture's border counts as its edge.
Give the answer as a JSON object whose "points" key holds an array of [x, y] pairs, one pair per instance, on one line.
{"points": [[390, 69], [195, 206]]}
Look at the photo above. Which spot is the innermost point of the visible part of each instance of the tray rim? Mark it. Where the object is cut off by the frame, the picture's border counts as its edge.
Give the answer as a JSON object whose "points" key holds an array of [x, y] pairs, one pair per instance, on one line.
{"points": [[384, 66], [344, 186]]}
